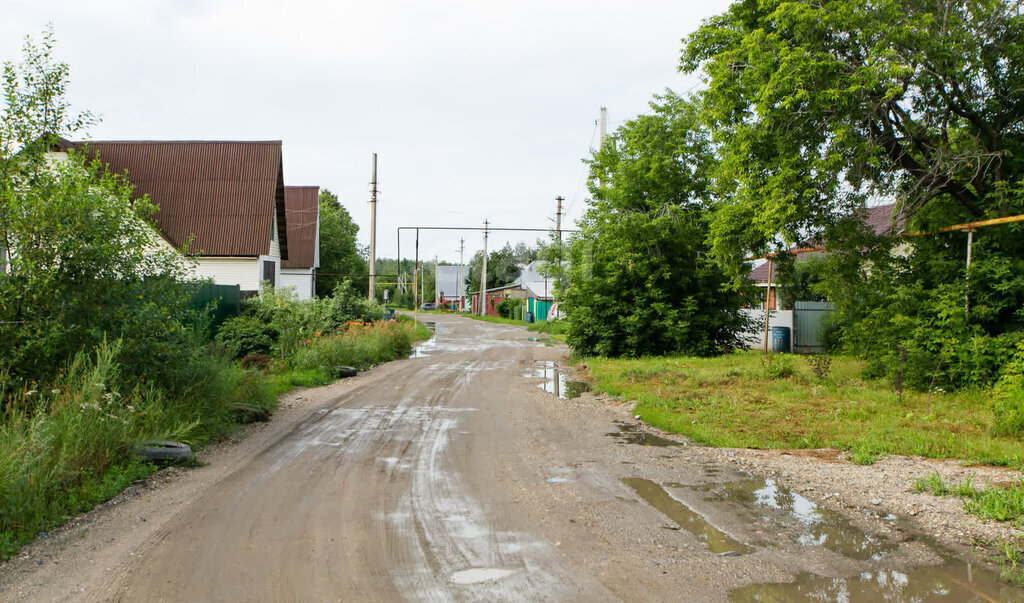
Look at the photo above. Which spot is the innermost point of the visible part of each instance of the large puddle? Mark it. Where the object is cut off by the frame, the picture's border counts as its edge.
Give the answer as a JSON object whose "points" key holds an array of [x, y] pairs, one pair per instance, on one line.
{"points": [[556, 381], [953, 581], [811, 525], [717, 541], [777, 510]]}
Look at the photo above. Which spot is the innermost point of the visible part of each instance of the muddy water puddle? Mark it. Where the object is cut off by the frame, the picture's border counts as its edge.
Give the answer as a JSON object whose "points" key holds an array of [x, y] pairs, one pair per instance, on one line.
{"points": [[717, 541], [632, 434], [777, 510], [764, 500], [556, 380], [953, 581]]}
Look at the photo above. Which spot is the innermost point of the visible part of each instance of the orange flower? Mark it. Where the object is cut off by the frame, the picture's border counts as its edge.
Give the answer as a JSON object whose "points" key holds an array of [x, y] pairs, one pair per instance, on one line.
{"points": [[317, 334]]}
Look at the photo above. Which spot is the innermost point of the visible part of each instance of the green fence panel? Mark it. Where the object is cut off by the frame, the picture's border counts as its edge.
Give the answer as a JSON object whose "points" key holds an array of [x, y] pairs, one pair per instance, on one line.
{"points": [[225, 301], [808, 318]]}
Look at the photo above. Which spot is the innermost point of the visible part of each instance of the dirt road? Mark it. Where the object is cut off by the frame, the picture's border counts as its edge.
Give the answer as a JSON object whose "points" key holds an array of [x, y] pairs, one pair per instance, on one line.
{"points": [[453, 476]]}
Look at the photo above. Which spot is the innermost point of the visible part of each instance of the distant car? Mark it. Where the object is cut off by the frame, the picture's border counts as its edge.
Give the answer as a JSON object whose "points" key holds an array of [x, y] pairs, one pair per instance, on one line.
{"points": [[426, 307]]}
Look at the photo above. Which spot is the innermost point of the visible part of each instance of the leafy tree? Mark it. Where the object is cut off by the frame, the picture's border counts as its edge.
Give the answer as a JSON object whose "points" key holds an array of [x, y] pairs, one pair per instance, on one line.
{"points": [[340, 252], [641, 281], [820, 105], [503, 266]]}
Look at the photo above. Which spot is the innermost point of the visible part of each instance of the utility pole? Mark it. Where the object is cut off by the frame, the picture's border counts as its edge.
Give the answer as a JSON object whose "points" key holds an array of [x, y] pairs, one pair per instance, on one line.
{"points": [[604, 127], [437, 285], [460, 287], [558, 219], [415, 273], [373, 230], [483, 276]]}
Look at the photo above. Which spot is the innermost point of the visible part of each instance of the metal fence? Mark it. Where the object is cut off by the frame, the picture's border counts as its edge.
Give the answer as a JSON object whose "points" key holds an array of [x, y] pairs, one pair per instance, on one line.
{"points": [[225, 300], [808, 320]]}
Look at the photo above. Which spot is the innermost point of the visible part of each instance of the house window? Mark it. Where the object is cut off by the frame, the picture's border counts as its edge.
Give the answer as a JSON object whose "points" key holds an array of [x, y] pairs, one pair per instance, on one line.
{"points": [[269, 273]]}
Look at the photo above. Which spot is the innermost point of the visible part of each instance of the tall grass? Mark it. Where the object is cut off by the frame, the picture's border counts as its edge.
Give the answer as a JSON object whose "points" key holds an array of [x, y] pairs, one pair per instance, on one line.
{"points": [[66, 447], [359, 346]]}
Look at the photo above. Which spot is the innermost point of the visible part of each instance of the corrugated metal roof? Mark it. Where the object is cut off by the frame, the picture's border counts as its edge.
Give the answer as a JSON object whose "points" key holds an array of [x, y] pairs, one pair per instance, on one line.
{"points": [[881, 219], [302, 208], [223, 193]]}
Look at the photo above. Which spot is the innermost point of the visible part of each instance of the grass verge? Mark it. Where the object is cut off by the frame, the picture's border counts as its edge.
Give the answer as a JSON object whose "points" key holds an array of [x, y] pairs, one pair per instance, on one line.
{"points": [[742, 400]]}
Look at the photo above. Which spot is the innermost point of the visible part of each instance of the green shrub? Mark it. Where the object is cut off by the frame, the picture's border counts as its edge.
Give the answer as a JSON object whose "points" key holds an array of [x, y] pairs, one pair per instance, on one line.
{"points": [[1008, 397], [507, 307], [247, 335]]}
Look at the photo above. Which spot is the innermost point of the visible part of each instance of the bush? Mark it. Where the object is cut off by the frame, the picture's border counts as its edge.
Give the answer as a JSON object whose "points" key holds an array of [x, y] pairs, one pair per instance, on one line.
{"points": [[247, 335], [360, 347], [1008, 397], [507, 307]]}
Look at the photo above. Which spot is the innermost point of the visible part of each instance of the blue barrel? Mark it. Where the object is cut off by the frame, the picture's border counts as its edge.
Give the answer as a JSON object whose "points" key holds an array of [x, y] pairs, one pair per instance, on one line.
{"points": [[780, 339], [529, 317]]}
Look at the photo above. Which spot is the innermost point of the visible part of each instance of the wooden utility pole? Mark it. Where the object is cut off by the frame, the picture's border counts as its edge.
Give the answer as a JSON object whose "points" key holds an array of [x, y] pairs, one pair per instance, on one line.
{"points": [[415, 274], [373, 230], [483, 276], [437, 285]]}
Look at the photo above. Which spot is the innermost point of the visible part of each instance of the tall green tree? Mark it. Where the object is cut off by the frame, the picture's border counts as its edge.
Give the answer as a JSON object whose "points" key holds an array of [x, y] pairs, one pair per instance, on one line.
{"points": [[340, 252], [817, 106], [641, 281]]}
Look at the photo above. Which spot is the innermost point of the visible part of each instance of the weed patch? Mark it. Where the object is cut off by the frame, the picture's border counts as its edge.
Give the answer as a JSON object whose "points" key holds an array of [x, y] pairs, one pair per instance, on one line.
{"points": [[993, 502]]}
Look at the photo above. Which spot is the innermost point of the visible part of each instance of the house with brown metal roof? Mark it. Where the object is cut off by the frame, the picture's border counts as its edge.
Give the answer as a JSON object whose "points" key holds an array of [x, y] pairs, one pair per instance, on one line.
{"points": [[222, 201], [881, 219], [302, 212]]}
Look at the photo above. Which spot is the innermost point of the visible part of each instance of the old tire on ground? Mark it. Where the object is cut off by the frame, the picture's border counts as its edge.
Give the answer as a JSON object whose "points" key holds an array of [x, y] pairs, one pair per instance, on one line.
{"points": [[345, 371], [250, 413], [165, 452]]}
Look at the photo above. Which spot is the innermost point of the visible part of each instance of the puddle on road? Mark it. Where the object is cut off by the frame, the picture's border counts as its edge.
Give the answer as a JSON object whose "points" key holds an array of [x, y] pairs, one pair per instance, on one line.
{"points": [[657, 497], [814, 526], [954, 581], [633, 434], [556, 381]]}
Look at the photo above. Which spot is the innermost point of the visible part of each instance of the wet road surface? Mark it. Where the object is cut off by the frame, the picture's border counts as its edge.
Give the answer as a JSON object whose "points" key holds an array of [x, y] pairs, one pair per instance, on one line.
{"points": [[464, 474]]}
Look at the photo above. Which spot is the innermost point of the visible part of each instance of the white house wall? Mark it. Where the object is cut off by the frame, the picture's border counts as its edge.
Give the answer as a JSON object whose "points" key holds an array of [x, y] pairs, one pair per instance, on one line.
{"points": [[244, 272], [778, 318], [300, 280]]}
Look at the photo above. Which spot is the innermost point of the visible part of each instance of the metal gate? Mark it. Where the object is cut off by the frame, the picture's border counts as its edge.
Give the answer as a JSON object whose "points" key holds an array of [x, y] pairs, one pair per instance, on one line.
{"points": [[808, 318]]}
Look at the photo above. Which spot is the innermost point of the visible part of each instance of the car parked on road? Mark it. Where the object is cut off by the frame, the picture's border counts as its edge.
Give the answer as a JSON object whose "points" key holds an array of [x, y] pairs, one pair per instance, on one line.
{"points": [[427, 306]]}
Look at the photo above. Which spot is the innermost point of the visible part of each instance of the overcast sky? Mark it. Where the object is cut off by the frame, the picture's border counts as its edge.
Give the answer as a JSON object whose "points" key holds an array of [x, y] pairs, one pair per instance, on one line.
{"points": [[475, 109]]}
